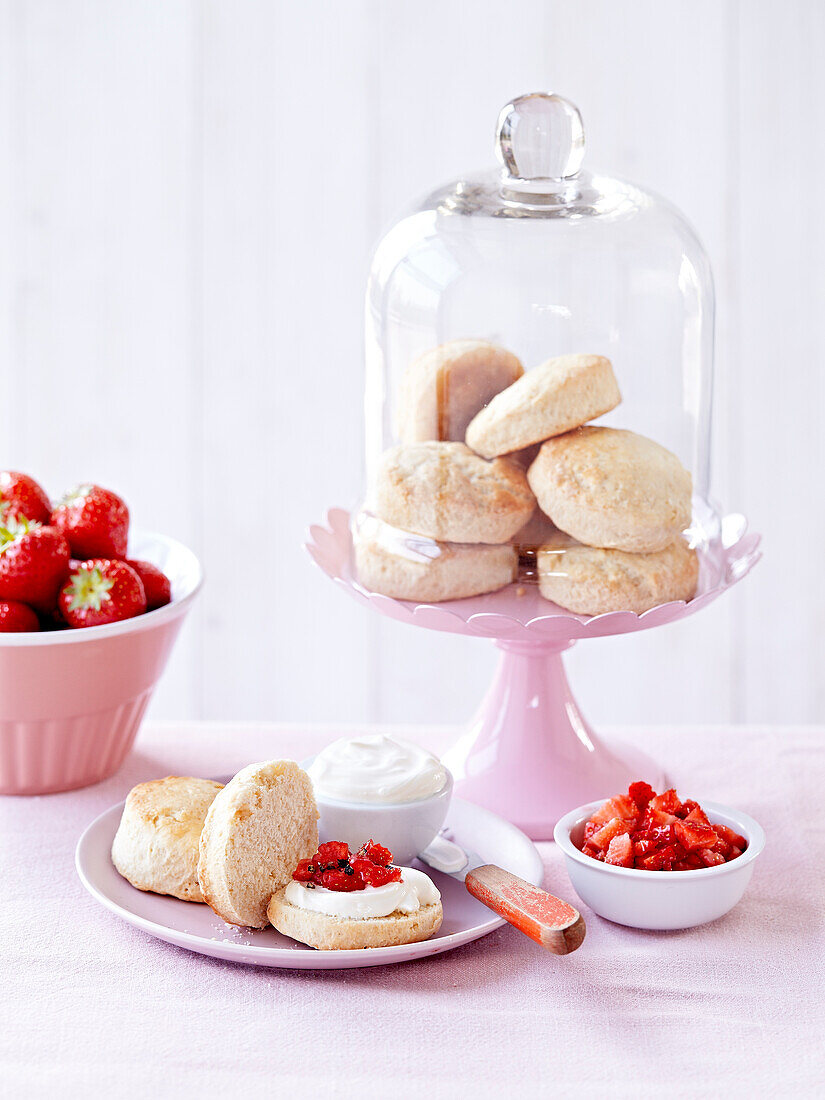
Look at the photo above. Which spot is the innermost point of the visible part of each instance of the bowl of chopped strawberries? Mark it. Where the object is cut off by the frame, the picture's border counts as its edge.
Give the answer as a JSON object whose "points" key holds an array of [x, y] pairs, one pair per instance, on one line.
{"points": [[89, 613], [653, 861]]}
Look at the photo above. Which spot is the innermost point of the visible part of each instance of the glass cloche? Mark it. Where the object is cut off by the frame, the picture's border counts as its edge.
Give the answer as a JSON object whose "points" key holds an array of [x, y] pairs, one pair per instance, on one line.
{"points": [[539, 359]]}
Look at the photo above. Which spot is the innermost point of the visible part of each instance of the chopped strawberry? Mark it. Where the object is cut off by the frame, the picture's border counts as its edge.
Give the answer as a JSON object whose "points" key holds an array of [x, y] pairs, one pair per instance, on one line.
{"points": [[688, 806], [34, 561], [156, 584], [593, 852], [95, 521], [22, 498], [641, 794], [332, 852], [698, 816], [658, 818], [692, 836], [651, 862], [17, 618], [102, 591], [709, 858], [614, 827], [734, 839], [620, 851], [376, 853], [304, 871], [375, 874], [341, 880], [668, 801], [657, 833]]}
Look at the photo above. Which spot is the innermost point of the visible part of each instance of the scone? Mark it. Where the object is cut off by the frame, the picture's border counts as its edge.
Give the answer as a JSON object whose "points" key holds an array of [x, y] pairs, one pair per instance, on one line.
{"points": [[592, 581], [402, 911], [411, 567], [612, 488], [444, 491], [442, 391], [156, 843], [550, 399], [260, 825], [328, 933]]}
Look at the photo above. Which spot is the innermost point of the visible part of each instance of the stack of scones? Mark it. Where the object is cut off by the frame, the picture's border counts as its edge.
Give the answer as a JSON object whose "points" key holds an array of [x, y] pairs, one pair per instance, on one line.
{"points": [[498, 467]]}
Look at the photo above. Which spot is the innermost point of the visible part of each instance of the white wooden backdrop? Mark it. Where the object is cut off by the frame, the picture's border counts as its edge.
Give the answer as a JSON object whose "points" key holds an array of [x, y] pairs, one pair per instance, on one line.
{"points": [[189, 193]]}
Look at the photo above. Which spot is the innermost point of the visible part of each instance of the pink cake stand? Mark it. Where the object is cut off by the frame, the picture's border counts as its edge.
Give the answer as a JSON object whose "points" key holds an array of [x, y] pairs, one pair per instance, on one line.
{"points": [[529, 754]]}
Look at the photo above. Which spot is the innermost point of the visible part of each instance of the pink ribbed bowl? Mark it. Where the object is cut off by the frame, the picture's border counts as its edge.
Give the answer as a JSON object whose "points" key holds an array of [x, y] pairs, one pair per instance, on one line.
{"points": [[71, 701]]}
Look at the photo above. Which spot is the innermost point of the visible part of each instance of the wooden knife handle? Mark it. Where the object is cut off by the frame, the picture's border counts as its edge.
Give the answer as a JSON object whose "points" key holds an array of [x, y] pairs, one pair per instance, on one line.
{"points": [[549, 921]]}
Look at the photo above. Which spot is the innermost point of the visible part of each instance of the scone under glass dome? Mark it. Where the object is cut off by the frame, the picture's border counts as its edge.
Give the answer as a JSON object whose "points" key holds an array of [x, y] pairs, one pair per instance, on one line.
{"points": [[539, 358]]}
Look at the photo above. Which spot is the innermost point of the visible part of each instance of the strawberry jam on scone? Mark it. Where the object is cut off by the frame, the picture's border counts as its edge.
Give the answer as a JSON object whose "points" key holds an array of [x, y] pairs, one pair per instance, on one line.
{"points": [[653, 832]]}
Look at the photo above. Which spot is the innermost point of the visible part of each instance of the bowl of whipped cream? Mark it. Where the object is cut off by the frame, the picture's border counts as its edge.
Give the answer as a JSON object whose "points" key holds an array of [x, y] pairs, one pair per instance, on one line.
{"points": [[382, 788]]}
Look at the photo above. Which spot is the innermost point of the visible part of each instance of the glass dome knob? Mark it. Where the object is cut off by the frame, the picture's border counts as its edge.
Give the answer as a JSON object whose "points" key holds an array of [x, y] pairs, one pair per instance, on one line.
{"points": [[539, 137]]}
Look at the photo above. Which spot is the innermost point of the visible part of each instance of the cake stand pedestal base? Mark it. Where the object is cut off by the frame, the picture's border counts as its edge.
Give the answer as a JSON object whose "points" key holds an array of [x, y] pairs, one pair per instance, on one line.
{"points": [[529, 755]]}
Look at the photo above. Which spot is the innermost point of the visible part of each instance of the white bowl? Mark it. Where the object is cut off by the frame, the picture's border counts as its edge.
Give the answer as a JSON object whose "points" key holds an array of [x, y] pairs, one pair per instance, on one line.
{"points": [[406, 828], [660, 900]]}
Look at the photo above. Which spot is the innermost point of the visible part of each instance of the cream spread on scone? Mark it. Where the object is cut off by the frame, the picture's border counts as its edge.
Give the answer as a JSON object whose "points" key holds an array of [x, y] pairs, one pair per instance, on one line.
{"points": [[408, 896], [374, 768]]}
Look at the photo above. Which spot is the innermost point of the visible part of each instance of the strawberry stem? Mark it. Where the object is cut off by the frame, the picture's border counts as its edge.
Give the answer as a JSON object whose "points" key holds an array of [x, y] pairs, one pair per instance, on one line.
{"points": [[89, 589]]}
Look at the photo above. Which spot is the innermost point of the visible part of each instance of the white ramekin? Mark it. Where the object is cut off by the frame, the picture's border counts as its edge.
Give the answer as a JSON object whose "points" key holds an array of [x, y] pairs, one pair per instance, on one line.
{"points": [[406, 828], [659, 900]]}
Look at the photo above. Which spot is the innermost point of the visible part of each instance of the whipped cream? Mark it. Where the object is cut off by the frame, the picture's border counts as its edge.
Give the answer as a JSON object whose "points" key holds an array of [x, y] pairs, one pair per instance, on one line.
{"points": [[374, 768], [407, 896]]}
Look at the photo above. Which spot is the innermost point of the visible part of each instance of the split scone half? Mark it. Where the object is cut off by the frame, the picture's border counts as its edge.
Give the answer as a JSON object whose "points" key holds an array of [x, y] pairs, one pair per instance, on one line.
{"points": [[260, 825], [156, 843], [328, 931]]}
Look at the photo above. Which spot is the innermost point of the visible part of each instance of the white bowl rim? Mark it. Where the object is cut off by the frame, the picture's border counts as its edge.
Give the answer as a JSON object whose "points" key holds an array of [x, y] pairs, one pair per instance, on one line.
{"points": [[146, 621], [750, 829], [380, 806]]}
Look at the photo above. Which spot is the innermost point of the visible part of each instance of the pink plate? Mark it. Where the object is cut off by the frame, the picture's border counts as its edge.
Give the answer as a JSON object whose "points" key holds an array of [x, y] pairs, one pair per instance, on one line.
{"points": [[197, 928]]}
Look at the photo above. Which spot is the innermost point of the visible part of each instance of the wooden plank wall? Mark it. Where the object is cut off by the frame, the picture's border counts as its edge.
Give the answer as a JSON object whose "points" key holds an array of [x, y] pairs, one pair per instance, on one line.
{"points": [[189, 194]]}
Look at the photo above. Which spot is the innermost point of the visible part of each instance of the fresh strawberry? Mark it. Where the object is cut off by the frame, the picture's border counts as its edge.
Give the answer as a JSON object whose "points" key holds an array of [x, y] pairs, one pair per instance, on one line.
{"points": [[22, 498], [34, 561], [95, 521], [17, 618], [155, 584], [102, 591]]}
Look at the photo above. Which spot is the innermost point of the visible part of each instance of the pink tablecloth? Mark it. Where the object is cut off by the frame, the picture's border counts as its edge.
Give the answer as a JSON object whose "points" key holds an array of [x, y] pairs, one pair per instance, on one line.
{"points": [[91, 1006]]}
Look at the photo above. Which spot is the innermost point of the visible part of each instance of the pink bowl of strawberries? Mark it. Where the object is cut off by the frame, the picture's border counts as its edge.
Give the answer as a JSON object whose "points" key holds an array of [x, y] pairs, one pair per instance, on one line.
{"points": [[89, 613]]}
